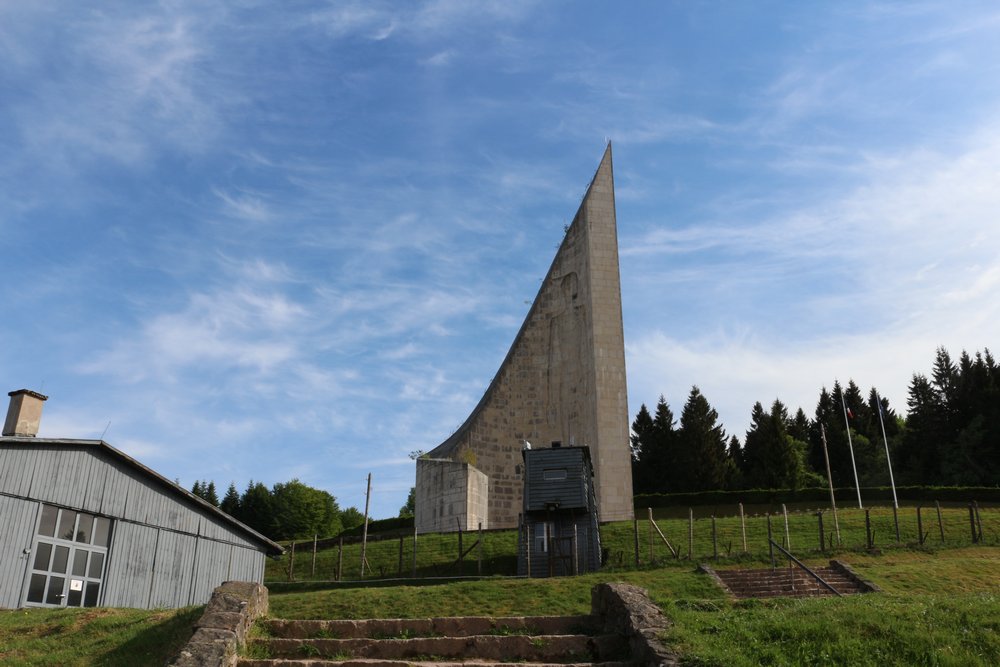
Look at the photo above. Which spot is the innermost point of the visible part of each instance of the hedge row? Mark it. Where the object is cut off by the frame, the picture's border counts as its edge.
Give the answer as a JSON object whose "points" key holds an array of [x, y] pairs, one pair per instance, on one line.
{"points": [[989, 494]]}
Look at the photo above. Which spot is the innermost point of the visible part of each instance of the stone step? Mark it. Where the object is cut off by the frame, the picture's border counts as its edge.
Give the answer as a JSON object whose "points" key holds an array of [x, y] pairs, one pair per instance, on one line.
{"points": [[488, 648], [429, 627], [787, 583], [312, 662]]}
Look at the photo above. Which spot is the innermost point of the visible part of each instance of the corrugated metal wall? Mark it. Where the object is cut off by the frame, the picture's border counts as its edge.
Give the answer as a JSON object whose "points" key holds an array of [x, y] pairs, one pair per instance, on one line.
{"points": [[164, 552], [17, 523]]}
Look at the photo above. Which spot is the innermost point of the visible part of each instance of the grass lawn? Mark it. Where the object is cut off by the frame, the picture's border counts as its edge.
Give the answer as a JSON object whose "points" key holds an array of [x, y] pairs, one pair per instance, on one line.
{"points": [[939, 607], [84, 637]]}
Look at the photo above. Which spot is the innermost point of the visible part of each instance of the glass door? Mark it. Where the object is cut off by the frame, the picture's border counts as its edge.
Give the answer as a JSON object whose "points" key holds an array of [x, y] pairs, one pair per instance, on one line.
{"points": [[68, 557]]}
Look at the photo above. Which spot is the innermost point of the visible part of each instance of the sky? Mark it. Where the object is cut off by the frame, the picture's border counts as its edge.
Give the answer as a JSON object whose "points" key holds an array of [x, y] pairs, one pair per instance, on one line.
{"points": [[263, 241]]}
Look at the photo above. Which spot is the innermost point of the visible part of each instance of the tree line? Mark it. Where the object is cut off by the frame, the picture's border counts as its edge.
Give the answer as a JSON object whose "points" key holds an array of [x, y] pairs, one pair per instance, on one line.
{"points": [[949, 436], [287, 511]]}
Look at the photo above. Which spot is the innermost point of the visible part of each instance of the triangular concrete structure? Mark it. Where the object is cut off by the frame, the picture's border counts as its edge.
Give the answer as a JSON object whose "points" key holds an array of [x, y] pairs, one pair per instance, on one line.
{"points": [[563, 380]]}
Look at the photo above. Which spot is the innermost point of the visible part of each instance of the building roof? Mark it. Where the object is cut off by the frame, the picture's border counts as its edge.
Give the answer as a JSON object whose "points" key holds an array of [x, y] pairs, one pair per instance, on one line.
{"points": [[272, 547]]}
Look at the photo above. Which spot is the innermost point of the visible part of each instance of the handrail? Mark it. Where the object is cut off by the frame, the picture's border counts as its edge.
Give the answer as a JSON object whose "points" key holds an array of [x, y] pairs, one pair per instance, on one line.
{"points": [[804, 567]]}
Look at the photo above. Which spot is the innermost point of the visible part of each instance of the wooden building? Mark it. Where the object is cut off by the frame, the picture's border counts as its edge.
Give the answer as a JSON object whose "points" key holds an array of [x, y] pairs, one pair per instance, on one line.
{"points": [[560, 534], [83, 524]]}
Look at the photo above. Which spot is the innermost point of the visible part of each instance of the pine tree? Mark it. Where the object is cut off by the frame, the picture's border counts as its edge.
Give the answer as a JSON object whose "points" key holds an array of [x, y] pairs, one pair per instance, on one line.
{"points": [[255, 508], [210, 495], [231, 501], [410, 507], [773, 458], [653, 444], [701, 446]]}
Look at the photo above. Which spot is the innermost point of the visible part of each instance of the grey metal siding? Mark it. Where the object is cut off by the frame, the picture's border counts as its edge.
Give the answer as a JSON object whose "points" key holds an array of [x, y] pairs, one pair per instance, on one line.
{"points": [[246, 565], [17, 527], [211, 569], [172, 572], [15, 473], [166, 550], [214, 529], [130, 565]]}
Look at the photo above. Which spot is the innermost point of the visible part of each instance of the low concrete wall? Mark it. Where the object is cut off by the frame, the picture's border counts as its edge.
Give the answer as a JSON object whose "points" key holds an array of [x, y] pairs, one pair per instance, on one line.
{"points": [[626, 609], [222, 629]]}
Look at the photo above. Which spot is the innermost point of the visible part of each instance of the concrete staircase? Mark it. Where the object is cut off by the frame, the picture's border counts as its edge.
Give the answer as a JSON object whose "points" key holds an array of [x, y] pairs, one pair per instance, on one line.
{"points": [[525, 642], [795, 582]]}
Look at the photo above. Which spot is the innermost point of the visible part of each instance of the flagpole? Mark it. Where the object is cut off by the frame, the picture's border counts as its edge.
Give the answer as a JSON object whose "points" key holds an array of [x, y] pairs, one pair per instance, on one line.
{"points": [[892, 482], [850, 446], [829, 479]]}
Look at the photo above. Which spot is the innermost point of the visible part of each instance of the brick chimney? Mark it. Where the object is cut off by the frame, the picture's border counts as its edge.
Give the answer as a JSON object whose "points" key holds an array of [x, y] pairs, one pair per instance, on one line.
{"points": [[24, 414]]}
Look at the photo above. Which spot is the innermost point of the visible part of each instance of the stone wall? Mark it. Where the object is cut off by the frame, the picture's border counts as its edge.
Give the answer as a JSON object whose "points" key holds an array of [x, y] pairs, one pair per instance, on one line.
{"points": [[449, 494], [564, 376]]}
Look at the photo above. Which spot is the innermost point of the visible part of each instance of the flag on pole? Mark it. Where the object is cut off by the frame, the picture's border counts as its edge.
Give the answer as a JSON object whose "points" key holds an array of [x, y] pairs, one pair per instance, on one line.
{"points": [[850, 413]]}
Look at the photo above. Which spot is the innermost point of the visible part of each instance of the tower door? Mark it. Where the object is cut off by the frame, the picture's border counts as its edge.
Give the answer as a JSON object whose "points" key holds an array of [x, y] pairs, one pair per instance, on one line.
{"points": [[67, 559]]}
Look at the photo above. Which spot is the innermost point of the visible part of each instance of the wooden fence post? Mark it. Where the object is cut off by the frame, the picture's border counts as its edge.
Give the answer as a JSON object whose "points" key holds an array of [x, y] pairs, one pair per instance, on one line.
{"points": [[312, 570], [414, 550], [715, 541], [770, 540], [690, 533], [340, 558], [291, 563], [869, 539], [400, 568], [527, 548], [979, 520], [972, 524], [822, 536], [788, 536], [937, 505], [743, 527], [649, 510], [635, 539], [461, 560], [895, 520], [920, 527], [479, 552], [576, 551]]}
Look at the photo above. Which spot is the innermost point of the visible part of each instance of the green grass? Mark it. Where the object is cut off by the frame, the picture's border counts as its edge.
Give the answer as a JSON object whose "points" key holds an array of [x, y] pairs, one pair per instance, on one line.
{"points": [[437, 554], [860, 630], [86, 637], [939, 607], [485, 597]]}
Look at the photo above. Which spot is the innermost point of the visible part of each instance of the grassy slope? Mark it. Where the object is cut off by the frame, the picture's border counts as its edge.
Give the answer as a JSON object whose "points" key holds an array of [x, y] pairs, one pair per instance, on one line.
{"points": [[84, 637], [939, 608], [436, 554]]}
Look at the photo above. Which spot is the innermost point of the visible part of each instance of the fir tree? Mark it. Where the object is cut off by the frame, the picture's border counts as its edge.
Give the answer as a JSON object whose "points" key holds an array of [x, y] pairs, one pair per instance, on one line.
{"points": [[210, 495], [701, 444], [231, 501]]}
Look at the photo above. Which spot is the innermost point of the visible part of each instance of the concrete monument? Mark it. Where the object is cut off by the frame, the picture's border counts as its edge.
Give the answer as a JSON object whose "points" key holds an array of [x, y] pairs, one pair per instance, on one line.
{"points": [[563, 380]]}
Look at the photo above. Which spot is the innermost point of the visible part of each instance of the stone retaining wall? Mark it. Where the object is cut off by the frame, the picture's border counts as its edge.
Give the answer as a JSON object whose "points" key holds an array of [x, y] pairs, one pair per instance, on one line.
{"points": [[222, 629], [626, 609]]}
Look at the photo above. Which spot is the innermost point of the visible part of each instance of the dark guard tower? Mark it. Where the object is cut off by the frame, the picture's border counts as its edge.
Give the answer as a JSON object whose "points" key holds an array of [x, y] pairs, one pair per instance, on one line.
{"points": [[559, 532]]}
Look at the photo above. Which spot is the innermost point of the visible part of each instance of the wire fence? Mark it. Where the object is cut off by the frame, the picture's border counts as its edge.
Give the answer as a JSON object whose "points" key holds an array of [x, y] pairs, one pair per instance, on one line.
{"points": [[645, 542]]}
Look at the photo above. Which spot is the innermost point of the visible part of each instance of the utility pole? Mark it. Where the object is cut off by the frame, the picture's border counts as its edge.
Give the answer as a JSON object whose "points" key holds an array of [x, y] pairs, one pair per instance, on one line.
{"points": [[364, 531]]}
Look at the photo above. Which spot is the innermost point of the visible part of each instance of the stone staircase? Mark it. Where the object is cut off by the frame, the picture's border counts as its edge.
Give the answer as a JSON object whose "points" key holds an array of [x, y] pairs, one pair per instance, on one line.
{"points": [[794, 582], [533, 641], [621, 631]]}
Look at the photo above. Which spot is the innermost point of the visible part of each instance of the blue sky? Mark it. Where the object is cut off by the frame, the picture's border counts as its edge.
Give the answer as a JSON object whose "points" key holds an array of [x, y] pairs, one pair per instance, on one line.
{"points": [[275, 240]]}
